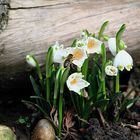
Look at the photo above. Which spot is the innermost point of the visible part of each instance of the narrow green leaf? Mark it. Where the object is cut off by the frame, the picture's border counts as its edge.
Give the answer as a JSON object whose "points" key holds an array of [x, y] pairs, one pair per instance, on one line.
{"points": [[102, 29], [119, 36], [74, 43], [64, 78], [128, 103], [105, 37], [57, 86], [35, 86], [85, 68], [49, 62]]}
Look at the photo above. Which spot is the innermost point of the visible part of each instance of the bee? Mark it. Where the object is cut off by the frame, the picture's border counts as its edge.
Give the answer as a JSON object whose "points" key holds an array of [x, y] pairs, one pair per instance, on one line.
{"points": [[68, 60]]}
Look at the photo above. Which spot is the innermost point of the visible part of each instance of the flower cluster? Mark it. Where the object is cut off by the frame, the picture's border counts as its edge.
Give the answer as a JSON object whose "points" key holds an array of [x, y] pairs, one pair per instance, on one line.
{"points": [[80, 52], [85, 69]]}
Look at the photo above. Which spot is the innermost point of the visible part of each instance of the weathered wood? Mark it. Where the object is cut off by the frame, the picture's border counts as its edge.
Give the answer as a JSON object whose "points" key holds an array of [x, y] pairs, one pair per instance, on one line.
{"points": [[35, 24]]}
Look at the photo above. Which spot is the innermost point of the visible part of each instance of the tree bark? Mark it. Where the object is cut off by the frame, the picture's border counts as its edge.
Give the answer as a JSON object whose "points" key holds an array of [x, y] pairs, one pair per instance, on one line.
{"points": [[33, 25]]}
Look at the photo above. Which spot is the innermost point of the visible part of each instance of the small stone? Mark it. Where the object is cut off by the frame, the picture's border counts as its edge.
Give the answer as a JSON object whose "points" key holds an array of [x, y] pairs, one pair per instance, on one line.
{"points": [[6, 133], [43, 131]]}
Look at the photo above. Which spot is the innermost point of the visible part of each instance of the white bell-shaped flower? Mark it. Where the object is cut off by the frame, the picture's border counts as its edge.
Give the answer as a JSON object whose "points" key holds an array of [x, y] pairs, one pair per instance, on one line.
{"points": [[93, 45], [79, 56], [111, 70], [112, 45], [30, 60], [76, 83], [59, 53], [123, 60]]}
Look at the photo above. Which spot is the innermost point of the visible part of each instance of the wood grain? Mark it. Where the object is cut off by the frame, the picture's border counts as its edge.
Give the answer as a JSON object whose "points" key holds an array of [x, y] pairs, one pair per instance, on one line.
{"points": [[35, 24]]}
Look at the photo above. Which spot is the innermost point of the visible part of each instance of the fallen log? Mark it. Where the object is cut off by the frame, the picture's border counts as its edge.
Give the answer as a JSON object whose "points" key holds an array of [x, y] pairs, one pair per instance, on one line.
{"points": [[33, 25]]}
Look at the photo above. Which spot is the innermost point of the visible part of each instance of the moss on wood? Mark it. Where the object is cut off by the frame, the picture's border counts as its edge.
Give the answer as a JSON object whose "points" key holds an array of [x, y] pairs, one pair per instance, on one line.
{"points": [[4, 6]]}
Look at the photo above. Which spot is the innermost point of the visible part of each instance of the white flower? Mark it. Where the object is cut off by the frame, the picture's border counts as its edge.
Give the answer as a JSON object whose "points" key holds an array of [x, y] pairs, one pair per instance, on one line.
{"points": [[79, 56], [76, 83], [111, 70], [112, 45], [123, 60], [59, 53], [93, 45], [30, 60]]}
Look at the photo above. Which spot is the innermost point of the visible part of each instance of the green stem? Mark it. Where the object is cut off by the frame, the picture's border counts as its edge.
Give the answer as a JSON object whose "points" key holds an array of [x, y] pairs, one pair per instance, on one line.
{"points": [[48, 90], [103, 84], [63, 79], [73, 101], [60, 112], [57, 86], [117, 83]]}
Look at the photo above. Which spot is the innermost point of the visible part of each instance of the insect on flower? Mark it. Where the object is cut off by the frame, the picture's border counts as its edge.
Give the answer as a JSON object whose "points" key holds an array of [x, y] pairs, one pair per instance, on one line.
{"points": [[78, 56], [68, 60]]}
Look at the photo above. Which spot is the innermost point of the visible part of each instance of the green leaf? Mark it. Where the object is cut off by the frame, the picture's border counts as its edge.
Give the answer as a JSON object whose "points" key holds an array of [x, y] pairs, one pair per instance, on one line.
{"points": [[64, 78], [114, 97], [128, 103], [49, 62], [102, 29], [38, 107], [105, 37], [119, 36], [101, 103], [38, 70], [57, 86], [85, 68], [74, 43], [35, 86]]}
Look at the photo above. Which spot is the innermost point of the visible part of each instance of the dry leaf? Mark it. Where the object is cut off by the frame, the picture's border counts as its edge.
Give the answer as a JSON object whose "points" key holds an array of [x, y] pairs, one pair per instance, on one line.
{"points": [[68, 120]]}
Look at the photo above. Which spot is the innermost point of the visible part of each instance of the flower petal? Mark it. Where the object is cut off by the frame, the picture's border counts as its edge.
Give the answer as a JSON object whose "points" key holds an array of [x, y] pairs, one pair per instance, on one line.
{"points": [[111, 70], [76, 83], [30, 60], [79, 56], [93, 45], [59, 53], [112, 45], [123, 60]]}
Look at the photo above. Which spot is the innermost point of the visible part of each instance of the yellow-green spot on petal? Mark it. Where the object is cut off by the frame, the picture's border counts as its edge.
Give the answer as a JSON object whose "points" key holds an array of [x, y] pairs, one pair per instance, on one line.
{"points": [[129, 67], [121, 67]]}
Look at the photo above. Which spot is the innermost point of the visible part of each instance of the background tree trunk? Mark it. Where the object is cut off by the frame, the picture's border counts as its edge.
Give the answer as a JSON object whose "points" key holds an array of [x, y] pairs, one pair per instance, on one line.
{"points": [[35, 24]]}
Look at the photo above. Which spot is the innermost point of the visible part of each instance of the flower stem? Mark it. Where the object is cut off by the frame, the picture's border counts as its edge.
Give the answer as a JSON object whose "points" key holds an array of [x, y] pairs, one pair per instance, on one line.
{"points": [[103, 84], [63, 79], [117, 83], [60, 112], [48, 90]]}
